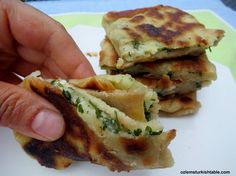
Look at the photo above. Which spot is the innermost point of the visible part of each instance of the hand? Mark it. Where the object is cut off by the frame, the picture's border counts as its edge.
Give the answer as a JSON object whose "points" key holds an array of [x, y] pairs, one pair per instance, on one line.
{"points": [[29, 41]]}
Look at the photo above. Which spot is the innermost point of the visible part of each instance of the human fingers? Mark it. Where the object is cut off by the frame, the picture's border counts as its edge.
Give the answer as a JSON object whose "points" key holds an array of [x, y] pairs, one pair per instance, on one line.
{"points": [[29, 114], [37, 34]]}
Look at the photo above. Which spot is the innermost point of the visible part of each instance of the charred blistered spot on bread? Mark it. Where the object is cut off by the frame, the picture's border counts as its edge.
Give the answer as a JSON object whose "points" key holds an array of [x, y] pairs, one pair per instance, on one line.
{"points": [[160, 33], [137, 19], [132, 33], [153, 12], [114, 164], [47, 152], [167, 33], [41, 152], [178, 17], [135, 146]]}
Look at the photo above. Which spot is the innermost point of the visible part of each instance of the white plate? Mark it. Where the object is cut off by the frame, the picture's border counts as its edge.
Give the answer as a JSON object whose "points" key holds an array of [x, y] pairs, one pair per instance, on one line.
{"points": [[204, 141]]}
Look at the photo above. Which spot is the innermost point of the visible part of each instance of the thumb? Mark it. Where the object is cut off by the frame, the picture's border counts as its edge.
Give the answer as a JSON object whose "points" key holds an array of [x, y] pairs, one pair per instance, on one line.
{"points": [[29, 114]]}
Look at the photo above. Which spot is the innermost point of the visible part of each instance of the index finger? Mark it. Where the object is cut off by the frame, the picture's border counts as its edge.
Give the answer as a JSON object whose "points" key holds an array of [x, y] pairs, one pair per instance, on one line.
{"points": [[35, 30]]}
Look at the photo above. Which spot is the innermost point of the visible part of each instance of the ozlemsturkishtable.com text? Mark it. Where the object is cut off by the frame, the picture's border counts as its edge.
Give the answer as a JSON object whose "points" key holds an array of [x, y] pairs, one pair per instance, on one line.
{"points": [[204, 172]]}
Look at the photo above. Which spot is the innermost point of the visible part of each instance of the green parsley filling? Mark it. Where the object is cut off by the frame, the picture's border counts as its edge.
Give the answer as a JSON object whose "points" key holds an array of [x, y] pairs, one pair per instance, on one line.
{"points": [[107, 122]]}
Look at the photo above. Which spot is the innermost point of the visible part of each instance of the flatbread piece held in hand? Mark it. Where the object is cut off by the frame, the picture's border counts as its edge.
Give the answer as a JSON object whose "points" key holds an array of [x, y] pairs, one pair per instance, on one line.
{"points": [[99, 131]]}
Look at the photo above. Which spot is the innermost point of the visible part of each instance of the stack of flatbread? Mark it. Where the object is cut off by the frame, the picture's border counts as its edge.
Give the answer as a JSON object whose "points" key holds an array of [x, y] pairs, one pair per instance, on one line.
{"points": [[164, 48]]}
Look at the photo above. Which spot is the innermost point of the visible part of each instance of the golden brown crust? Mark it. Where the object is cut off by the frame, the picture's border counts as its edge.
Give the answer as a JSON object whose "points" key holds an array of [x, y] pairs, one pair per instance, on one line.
{"points": [[93, 83], [108, 56], [154, 33], [81, 142], [179, 105], [85, 145], [172, 24]]}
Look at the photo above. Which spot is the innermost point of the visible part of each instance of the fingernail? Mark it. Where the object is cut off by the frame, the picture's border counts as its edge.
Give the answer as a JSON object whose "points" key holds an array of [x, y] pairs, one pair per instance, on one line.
{"points": [[48, 124]]}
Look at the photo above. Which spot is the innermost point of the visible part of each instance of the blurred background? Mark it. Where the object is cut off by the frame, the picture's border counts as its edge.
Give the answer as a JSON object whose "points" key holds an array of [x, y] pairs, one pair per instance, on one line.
{"points": [[229, 3]]}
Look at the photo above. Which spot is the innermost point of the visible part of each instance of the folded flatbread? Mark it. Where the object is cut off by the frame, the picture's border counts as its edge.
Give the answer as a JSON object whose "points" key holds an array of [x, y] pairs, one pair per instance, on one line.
{"points": [[118, 90], [97, 130], [158, 32]]}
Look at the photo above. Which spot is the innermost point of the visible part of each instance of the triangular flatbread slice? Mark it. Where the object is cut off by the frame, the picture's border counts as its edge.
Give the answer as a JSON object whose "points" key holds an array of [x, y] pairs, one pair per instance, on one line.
{"points": [[96, 131]]}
